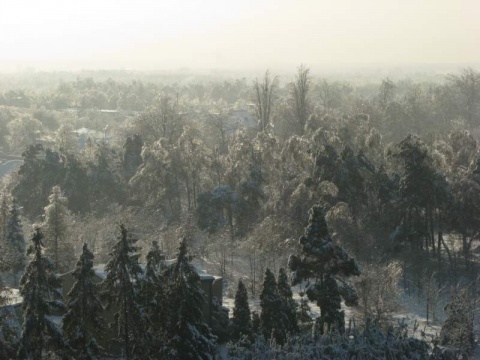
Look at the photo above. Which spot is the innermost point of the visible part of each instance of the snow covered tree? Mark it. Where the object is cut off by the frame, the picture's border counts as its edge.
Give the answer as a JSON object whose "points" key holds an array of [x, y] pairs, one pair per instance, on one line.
{"points": [[457, 330], [241, 323], [123, 272], [151, 292], [82, 318], [326, 263], [187, 335], [273, 320], [15, 242], [3, 217], [288, 304], [55, 226], [40, 288]]}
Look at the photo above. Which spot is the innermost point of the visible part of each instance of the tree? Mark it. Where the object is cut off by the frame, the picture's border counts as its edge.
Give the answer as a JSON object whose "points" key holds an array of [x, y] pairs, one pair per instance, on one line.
{"points": [[457, 330], [386, 93], [163, 120], [132, 157], [4, 206], [273, 320], [76, 185], [55, 225], [422, 190], [40, 288], [82, 315], [264, 99], [288, 304], [15, 242], [23, 132], [467, 85], [378, 291], [152, 292], [241, 323], [327, 264], [41, 170], [187, 335], [300, 101], [119, 289]]}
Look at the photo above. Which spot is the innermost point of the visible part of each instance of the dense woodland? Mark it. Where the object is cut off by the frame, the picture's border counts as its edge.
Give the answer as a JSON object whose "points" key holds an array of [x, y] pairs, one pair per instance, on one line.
{"points": [[350, 194]]}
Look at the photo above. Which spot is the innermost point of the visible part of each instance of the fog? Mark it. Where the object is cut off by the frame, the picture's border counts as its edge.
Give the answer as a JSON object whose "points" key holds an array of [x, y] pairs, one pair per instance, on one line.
{"points": [[247, 34]]}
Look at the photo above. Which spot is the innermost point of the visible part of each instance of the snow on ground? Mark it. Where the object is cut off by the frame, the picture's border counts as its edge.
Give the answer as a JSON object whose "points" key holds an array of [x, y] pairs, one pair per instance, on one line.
{"points": [[13, 296]]}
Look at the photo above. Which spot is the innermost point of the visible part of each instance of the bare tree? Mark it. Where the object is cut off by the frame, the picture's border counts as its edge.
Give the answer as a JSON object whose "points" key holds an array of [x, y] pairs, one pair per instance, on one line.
{"points": [[299, 91], [386, 93], [467, 85], [264, 99], [164, 120]]}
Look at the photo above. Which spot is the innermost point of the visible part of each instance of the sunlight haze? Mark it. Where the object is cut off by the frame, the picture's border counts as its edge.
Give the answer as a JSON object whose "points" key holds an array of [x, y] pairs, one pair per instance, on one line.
{"points": [[156, 35]]}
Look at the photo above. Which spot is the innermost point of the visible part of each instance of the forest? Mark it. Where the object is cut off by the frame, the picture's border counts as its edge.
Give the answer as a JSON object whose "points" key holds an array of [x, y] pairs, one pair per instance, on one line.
{"points": [[342, 214]]}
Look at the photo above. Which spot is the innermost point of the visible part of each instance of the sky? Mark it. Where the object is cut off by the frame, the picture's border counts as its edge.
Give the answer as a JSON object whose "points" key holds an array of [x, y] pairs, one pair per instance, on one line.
{"points": [[240, 34]]}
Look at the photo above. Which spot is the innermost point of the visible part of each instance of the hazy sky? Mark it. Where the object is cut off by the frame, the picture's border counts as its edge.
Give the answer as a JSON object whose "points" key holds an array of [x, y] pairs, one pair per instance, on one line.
{"points": [[236, 34]]}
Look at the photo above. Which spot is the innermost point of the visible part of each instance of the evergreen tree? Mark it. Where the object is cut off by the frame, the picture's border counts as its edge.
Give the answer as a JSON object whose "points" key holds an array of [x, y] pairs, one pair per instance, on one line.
{"points": [[187, 335], [40, 288], [155, 258], [241, 323], [3, 217], [324, 261], [15, 242], [123, 272], [288, 304], [132, 158], [151, 292], [256, 323], [56, 225], [273, 320], [82, 319], [76, 185]]}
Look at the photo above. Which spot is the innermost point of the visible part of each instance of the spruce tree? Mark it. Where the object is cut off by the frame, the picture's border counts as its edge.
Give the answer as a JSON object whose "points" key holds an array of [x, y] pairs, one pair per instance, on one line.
{"points": [[15, 242], [241, 323], [82, 318], [324, 261], [40, 288], [273, 320], [288, 304], [119, 289], [151, 293], [186, 333]]}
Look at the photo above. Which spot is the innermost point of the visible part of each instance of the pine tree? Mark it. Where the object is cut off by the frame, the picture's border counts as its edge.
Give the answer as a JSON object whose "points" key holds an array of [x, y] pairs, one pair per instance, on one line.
{"points": [[288, 304], [40, 288], [324, 261], [55, 226], [273, 320], [15, 242], [187, 335], [82, 318], [123, 272], [241, 324]]}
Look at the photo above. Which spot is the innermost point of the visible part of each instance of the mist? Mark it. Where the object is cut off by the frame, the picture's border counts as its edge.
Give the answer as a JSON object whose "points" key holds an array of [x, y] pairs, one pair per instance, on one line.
{"points": [[244, 35]]}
